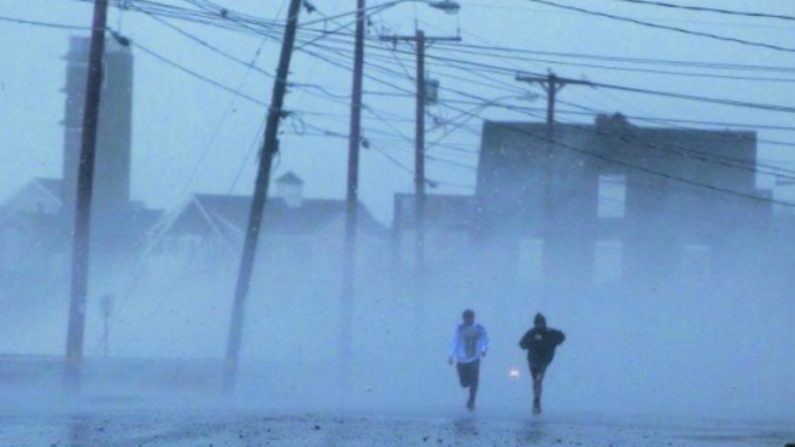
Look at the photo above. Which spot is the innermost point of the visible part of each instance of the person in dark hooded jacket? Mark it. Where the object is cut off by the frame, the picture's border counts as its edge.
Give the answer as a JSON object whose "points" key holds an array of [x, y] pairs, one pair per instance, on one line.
{"points": [[540, 343]]}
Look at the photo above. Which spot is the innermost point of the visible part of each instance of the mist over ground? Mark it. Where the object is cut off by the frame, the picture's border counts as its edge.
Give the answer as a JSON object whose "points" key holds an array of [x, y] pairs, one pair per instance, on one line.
{"points": [[717, 350]]}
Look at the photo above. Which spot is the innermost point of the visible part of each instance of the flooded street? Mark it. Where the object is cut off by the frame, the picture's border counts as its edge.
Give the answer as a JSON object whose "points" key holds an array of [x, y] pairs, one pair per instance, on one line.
{"points": [[257, 428]]}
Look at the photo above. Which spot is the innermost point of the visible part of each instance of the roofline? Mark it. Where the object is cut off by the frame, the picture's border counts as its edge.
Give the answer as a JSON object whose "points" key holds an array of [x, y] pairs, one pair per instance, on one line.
{"points": [[444, 196], [37, 182], [682, 130]]}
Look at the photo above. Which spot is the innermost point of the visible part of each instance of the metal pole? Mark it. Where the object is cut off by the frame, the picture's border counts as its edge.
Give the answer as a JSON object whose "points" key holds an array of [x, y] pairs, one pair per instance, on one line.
{"points": [[419, 161], [106, 303], [552, 89], [550, 267], [269, 148], [352, 199], [85, 185]]}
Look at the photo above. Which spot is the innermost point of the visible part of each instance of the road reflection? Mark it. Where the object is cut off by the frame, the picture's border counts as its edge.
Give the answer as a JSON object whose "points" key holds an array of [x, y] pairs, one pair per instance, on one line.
{"points": [[466, 428], [532, 431], [79, 431]]}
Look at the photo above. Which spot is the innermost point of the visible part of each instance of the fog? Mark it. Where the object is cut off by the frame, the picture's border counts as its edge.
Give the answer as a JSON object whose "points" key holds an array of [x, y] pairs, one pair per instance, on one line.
{"points": [[656, 233], [721, 348]]}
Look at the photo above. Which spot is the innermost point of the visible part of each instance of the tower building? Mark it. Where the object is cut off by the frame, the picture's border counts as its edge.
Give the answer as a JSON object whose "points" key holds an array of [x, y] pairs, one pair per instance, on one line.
{"points": [[111, 197]]}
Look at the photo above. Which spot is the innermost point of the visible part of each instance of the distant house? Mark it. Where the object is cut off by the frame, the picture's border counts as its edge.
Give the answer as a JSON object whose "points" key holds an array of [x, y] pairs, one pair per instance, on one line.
{"points": [[211, 227], [43, 196], [31, 230], [36, 236]]}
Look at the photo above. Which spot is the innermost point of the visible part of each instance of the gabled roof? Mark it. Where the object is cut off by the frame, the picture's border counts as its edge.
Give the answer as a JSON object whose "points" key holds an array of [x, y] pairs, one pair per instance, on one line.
{"points": [[54, 186], [49, 189], [227, 215]]}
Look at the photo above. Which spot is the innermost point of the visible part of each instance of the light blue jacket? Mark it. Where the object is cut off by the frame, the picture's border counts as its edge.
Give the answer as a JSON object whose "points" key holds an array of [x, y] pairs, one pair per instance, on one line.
{"points": [[470, 342]]}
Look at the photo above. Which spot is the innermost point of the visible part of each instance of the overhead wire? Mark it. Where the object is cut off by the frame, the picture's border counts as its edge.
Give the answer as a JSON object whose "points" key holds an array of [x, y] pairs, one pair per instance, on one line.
{"points": [[730, 12], [680, 179], [597, 155], [677, 29]]}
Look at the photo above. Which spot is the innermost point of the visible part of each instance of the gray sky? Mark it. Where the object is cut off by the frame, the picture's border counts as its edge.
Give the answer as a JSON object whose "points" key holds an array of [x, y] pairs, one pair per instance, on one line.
{"points": [[191, 136]]}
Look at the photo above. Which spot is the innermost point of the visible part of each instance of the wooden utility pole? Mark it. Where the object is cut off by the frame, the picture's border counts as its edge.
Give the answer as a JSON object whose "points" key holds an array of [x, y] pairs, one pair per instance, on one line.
{"points": [[269, 148], [421, 41], [419, 160], [106, 307], [352, 196], [85, 186], [552, 84]]}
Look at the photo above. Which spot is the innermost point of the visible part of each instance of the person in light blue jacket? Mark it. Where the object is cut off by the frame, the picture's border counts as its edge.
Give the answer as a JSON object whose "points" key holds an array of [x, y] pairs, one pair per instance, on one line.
{"points": [[470, 343]]}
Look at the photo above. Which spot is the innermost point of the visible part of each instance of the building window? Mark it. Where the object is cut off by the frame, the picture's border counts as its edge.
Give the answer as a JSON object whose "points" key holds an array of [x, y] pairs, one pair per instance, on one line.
{"points": [[612, 196], [531, 259], [696, 264], [608, 261]]}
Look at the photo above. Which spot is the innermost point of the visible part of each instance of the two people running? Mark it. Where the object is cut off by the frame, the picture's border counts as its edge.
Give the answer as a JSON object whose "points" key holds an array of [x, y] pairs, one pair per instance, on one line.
{"points": [[470, 344]]}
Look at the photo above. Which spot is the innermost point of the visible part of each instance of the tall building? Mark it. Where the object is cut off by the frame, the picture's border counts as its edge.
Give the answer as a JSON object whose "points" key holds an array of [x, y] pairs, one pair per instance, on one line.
{"points": [[614, 202], [112, 166]]}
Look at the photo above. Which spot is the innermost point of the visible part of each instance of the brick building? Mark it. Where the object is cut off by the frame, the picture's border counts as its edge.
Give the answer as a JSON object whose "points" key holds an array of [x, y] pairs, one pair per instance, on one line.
{"points": [[613, 202]]}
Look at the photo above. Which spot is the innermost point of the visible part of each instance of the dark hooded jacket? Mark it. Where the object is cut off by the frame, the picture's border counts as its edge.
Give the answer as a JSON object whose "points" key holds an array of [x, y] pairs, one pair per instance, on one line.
{"points": [[540, 343]]}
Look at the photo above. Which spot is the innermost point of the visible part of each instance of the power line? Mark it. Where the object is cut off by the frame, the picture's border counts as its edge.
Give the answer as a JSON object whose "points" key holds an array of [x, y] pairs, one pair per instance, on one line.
{"points": [[703, 159], [197, 75], [681, 96], [504, 70], [666, 27], [250, 65], [651, 71], [763, 15], [650, 119], [649, 171], [698, 98], [625, 59], [217, 17], [656, 173], [44, 24], [745, 164]]}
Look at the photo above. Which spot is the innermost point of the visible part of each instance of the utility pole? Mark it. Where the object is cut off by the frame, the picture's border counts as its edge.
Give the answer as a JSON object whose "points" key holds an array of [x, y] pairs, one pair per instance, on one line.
{"points": [[422, 42], [106, 305], [352, 196], [552, 84], [269, 148], [419, 161], [85, 186]]}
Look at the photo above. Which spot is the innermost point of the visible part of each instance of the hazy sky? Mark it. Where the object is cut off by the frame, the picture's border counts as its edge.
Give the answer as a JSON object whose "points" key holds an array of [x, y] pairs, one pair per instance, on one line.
{"points": [[191, 136]]}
